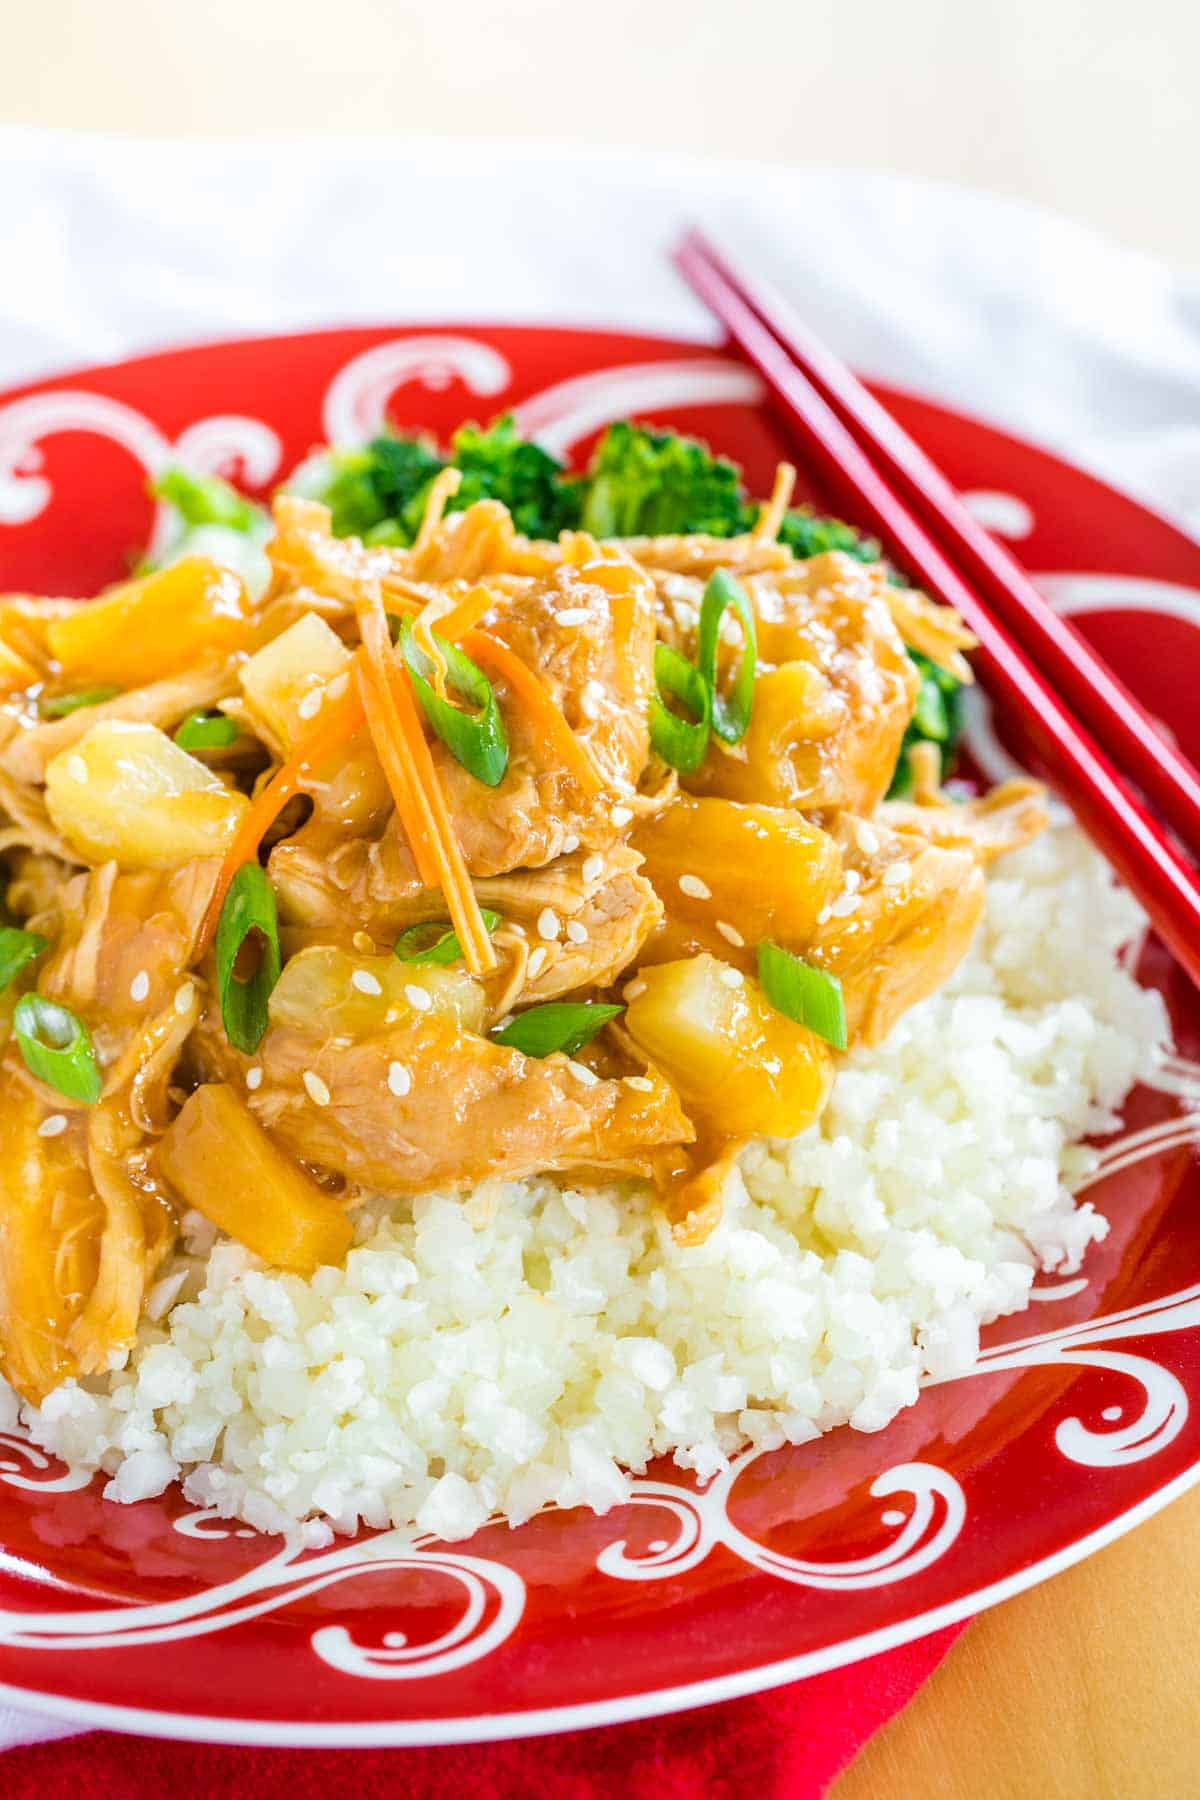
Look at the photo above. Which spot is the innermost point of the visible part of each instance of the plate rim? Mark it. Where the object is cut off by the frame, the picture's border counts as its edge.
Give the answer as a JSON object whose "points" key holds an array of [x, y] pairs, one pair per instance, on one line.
{"points": [[624, 1709], [679, 1697]]}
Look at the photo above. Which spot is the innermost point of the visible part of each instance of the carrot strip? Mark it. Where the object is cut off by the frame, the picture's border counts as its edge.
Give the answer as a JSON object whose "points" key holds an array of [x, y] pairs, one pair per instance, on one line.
{"points": [[387, 734], [400, 743], [461, 618], [538, 702], [335, 729]]}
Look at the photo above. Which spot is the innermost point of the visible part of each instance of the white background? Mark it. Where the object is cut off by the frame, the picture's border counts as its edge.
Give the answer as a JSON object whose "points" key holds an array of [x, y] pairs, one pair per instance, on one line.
{"points": [[1088, 106]]}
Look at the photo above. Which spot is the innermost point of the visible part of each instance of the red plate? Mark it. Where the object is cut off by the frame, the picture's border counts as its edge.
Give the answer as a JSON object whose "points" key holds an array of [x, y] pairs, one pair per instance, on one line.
{"points": [[1083, 1415]]}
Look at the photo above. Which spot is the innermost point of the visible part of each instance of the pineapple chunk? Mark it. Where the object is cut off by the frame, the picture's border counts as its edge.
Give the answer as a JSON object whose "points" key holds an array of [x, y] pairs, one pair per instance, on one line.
{"points": [[148, 629], [763, 870], [278, 679], [126, 793], [220, 1161], [318, 993], [15, 672], [742, 1068], [50, 1244]]}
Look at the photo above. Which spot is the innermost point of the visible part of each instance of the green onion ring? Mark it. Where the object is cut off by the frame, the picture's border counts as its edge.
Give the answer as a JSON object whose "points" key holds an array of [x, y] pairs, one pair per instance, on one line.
{"points": [[57, 706], [17, 948], [558, 1025], [680, 742], [811, 996], [477, 740], [435, 940], [207, 731], [249, 912], [730, 716], [57, 1048]]}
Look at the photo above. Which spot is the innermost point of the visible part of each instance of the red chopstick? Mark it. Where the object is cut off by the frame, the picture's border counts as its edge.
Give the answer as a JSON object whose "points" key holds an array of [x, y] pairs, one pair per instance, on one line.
{"points": [[1110, 811], [1085, 681]]}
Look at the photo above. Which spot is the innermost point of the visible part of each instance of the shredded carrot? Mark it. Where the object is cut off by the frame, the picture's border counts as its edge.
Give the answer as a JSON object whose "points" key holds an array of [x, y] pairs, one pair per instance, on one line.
{"points": [[386, 731], [766, 526], [441, 489], [467, 614], [400, 744], [336, 728], [538, 702]]}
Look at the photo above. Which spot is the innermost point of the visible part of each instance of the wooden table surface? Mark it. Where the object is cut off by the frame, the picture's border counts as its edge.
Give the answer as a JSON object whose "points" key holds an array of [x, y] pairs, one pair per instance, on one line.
{"points": [[1086, 1686]]}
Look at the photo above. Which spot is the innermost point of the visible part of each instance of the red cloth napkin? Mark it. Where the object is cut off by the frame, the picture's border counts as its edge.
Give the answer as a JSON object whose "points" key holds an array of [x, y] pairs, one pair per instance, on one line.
{"points": [[786, 1744]]}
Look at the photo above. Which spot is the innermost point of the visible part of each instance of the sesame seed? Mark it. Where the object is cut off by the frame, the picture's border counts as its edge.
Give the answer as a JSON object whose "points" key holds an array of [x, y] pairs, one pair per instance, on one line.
{"points": [[732, 978], [896, 874], [867, 838], [311, 704], [254, 1078], [570, 845], [694, 888], [365, 982], [582, 1073], [571, 615], [399, 1080], [577, 932], [139, 987], [731, 934], [337, 687], [853, 881], [634, 989], [184, 995], [641, 1084], [363, 943], [588, 707], [547, 925], [593, 690], [77, 769], [620, 816], [54, 1126], [843, 906], [315, 1088], [537, 961], [418, 997], [593, 868]]}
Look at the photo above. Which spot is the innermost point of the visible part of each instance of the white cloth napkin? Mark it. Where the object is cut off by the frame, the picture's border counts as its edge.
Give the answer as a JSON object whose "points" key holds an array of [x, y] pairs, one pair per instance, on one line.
{"points": [[113, 246]]}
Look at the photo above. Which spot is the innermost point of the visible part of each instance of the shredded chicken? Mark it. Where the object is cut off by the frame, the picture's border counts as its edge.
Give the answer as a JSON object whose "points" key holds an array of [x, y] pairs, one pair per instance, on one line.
{"points": [[579, 875]]}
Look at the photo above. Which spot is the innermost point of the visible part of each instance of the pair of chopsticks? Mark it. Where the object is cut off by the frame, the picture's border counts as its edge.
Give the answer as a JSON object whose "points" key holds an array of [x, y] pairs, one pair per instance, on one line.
{"points": [[1076, 712]]}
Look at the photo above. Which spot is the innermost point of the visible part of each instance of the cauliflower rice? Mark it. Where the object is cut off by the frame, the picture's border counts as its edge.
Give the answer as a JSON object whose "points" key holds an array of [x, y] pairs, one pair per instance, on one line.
{"points": [[531, 1342]]}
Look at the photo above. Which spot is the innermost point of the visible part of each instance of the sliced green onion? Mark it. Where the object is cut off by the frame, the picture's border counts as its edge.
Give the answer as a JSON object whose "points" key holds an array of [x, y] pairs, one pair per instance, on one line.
{"points": [[730, 715], [57, 1048], [809, 995], [17, 948], [477, 740], [559, 1025], [207, 731], [248, 918], [435, 940], [679, 741], [930, 715], [57, 706]]}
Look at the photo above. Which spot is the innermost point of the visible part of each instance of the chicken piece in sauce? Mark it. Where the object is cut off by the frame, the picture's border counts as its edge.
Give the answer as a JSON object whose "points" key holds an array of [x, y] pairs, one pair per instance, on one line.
{"points": [[834, 691], [380, 1076]]}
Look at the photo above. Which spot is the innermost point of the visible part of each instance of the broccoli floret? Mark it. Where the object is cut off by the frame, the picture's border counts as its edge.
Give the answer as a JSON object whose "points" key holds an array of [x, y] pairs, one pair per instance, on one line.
{"points": [[499, 464], [379, 493], [373, 493], [937, 719], [806, 534], [643, 482], [206, 500]]}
